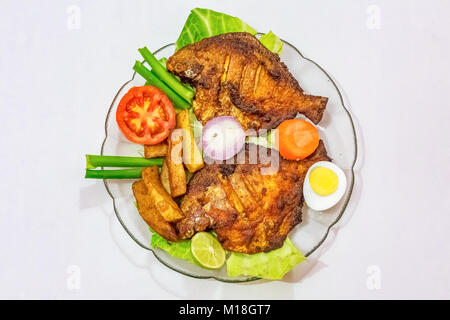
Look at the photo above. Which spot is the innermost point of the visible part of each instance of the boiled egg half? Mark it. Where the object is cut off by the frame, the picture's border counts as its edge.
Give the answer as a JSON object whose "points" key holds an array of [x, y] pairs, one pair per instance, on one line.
{"points": [[325, 184]]}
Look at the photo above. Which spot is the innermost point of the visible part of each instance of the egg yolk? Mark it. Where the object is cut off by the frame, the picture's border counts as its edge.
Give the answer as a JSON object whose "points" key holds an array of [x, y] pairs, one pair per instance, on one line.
{"points": [[323, 181]]}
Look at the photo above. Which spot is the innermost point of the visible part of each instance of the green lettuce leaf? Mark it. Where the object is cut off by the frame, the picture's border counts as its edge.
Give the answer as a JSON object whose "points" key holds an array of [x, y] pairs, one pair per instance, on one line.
{"points": [[271, 265], [163, 61], [205, 23], [196, 125], [267, 140], [180, 249], [272, 42]]}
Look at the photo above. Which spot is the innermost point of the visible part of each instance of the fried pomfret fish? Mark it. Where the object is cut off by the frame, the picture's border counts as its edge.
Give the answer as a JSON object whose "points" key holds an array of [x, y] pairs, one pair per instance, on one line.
{"points": [[249, 211], [234, 74]]}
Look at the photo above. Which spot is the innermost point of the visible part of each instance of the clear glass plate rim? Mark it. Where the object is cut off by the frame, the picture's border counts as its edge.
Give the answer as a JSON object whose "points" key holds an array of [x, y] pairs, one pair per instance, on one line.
{"points": [[351, 185]]}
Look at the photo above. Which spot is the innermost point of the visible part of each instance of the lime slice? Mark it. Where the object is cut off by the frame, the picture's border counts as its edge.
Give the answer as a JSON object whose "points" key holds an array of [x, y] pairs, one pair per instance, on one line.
{"points": [[207, 250]]}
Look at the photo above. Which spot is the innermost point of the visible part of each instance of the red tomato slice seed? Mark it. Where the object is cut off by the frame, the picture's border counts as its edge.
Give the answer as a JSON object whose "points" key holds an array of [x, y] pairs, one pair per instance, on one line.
{"points": [[145, 115]]}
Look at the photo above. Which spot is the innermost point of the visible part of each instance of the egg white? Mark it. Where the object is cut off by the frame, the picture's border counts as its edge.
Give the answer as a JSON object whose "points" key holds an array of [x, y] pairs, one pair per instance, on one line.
{"points": [[320, 203]]}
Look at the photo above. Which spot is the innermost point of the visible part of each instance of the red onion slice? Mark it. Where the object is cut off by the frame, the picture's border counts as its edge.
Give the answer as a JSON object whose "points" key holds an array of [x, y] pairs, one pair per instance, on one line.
{"points": [[222, 138]]}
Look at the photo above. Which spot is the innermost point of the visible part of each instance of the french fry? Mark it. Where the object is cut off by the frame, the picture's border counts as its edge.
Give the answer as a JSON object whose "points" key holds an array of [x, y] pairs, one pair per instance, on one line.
{"points": [[177, 175], [164, 175], [156, 150], [192, 157], [161, 200], [150, 214]]}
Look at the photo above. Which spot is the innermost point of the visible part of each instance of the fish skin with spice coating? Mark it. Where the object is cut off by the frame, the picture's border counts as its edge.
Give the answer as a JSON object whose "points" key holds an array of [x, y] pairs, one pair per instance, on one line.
{"points": [[249, 211], [235, 75]]}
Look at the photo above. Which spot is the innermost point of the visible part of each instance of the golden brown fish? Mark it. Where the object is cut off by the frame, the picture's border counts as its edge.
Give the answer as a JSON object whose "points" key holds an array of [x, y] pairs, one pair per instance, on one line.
{"points": [[234, 74], [249, 210]]}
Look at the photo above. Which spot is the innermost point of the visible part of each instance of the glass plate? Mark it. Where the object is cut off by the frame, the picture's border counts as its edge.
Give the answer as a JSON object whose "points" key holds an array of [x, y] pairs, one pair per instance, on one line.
{"points": [[336, 130]]}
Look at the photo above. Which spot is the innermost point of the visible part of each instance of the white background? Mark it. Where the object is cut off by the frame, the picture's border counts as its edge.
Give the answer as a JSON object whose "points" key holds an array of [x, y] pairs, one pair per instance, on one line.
{"points": [[56, 84]]}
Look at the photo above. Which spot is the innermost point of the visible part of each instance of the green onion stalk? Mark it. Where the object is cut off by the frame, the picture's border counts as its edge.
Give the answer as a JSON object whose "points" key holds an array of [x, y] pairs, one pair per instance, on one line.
{"points": [[135, 173], [159, 70], [153, 80], [94, 161]]}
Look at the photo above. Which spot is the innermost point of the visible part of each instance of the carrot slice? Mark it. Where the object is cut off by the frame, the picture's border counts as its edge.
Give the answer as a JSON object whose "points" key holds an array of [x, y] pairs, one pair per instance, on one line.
{"points": [[297, 139]]}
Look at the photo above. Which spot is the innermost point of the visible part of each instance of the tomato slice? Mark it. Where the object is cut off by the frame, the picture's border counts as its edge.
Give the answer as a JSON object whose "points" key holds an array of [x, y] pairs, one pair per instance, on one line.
{"points": [[145, 115]]}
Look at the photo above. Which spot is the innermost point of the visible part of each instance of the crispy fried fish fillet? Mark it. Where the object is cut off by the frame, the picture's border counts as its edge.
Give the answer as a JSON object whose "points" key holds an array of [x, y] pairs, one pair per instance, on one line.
{"points": [[234, 74], [250, 212]]}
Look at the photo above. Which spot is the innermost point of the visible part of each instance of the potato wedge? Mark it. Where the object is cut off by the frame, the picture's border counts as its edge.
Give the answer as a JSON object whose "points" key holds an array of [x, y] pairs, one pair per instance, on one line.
{"points": [[150, 214], [192, 157], [177, 176], [156, 150], [164, 176], [162, 201]]}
